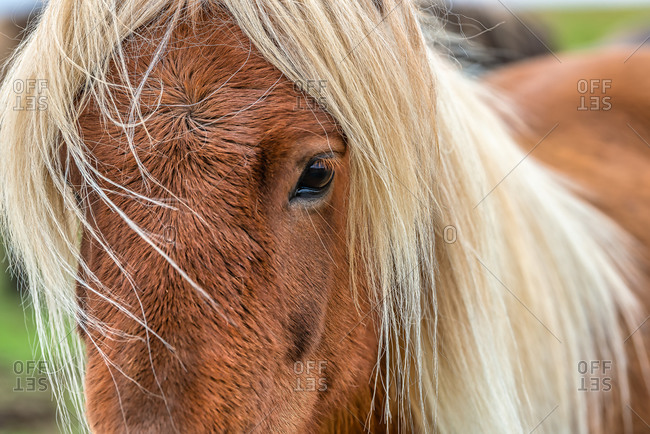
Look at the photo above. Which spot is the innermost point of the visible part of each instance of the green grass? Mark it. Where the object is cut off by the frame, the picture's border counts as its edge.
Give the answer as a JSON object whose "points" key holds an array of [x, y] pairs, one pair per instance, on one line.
{"points": [[14, 324], [21, 411], [574, 29], [14, 337]]}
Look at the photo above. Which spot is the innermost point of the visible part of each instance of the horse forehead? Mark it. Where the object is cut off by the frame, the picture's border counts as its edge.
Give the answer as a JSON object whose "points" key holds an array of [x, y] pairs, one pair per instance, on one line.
{"points": [[209, 93], [211, 74]]}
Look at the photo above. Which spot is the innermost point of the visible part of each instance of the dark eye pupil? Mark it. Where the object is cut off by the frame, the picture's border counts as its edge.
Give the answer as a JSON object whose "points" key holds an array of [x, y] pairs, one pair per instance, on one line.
{"points": [[315, 179], [317, 175]]}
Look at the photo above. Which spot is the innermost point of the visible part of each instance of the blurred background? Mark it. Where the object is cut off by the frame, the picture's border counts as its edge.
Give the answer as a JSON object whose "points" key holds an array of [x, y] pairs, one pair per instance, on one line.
{"points": [[490, 34]]}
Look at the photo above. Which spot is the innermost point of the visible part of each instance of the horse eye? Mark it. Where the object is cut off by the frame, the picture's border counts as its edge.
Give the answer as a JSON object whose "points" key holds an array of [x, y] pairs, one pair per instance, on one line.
{"points": [[315, 179]]}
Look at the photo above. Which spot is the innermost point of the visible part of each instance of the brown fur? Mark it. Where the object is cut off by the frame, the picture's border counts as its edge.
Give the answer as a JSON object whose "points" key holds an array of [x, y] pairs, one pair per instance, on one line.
{"points": [[599, 149], [277, 270]]}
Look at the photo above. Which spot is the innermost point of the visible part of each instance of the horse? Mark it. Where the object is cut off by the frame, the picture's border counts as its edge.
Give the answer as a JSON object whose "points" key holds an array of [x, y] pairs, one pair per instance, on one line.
{"points": [[298, 216]]}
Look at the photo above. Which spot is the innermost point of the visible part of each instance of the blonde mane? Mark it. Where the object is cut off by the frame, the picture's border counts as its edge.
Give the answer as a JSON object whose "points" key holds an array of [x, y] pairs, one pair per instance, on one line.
{"points": [[482, 334]]}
